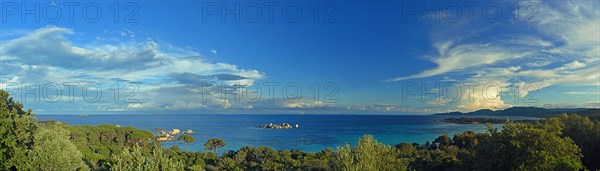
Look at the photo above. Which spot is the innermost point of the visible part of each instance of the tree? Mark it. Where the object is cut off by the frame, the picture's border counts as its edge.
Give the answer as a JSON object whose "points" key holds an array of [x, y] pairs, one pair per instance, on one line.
{"points": [[407, 150], [139, 137], [443, 140], [214, 144], [137, 159], [368, 155], [186, 139], [467, 140], [54, 151], [16, 132], [521, 146], [586, 134]]}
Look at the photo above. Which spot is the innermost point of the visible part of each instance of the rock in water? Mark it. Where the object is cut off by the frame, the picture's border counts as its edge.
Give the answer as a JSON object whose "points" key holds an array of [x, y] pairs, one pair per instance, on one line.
{"points": [[174, 131], [276, 126]]}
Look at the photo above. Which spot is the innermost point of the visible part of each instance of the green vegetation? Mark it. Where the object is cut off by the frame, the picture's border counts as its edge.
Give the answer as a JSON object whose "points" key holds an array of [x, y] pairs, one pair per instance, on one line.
{"points": [[214, 144], [53, 150], [186, 139], [137, 158], [585, 131], [528, 147], [369, 155], [564, 142], [17, 128], [99, 143]]}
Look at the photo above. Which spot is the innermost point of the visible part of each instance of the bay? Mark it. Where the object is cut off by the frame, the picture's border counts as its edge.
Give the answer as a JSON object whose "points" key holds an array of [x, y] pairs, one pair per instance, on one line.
{"points": [[315, 132]]}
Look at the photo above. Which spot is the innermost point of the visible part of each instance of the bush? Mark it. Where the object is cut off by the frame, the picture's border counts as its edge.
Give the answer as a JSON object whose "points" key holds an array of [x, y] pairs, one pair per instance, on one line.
{"points": [[521, 146], [368, 155]]}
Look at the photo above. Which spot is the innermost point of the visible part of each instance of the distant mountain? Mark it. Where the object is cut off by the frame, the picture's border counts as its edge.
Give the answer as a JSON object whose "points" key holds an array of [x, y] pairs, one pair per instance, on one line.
{"points": [[517, 111], [525, 111], [483, 112]]}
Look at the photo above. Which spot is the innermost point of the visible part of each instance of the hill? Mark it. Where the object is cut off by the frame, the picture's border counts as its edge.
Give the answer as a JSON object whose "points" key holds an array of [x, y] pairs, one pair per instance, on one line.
{"points": [[526, 111]]}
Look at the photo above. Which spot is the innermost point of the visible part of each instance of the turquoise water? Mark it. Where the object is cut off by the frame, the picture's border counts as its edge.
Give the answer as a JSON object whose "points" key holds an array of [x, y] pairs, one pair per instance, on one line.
{"points": [[315, 132]]}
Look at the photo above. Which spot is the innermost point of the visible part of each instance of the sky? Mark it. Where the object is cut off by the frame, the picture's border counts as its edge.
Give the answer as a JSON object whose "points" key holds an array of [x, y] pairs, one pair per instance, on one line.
{"points": [[295, 57]]}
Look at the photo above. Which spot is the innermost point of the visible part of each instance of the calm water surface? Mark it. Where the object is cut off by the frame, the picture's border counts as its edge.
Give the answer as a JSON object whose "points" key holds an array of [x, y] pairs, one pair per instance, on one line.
{"points": [[315, 132]]}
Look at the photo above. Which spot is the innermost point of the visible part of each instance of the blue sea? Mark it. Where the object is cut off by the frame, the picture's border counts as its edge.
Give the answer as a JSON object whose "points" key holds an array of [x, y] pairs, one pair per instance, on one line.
{"points": [[315, 132]]}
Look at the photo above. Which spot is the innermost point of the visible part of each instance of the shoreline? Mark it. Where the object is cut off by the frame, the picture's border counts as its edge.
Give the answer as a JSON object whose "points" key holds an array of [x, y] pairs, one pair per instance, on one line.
{"points": [[315, 132]]}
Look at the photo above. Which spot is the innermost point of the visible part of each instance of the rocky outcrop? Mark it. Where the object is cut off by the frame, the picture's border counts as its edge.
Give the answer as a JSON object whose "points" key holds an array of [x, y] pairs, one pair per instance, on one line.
{"points": [[276, 126], [170, 136], [174, 131], [189, 131], [165, 137]]}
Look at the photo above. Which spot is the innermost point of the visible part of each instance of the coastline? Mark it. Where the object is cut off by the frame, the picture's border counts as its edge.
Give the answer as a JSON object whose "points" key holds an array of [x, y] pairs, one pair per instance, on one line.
{"points": [[316, 132]]}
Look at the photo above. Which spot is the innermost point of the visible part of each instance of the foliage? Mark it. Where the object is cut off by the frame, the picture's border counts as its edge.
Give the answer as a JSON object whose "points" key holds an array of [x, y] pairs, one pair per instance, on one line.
{"points": [[467, 140], [192, 160], [136, 158], [16, 129], [186, 139], [54, 151], [521, 146], [214, 144], [98, 143], [265, 158], [443, 140], [555, 143], [586, 134], [368, 155], [449, 157]]}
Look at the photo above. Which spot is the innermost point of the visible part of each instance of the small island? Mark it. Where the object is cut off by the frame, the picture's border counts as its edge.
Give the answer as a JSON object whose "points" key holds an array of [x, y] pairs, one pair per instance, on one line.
{"points": [[276, 126]]}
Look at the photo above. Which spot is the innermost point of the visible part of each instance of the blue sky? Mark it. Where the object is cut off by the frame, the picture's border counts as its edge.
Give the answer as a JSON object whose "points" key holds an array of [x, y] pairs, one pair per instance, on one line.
{"points": [[389, 57]]}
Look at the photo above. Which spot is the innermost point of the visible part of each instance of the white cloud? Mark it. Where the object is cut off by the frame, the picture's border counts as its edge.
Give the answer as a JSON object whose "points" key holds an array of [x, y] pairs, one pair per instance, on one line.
{"points": [[574, 65], [148, 105], [453, 58], [590, 104], [48, 47], [225, 103], [48, 55], [539, 64], [582, 92], [51, 46], [562, 49], [180, 105], [440, 101]]}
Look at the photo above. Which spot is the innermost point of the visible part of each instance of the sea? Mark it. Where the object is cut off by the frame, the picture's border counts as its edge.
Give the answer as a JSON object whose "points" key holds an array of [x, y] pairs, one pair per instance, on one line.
{"points": [[314, 133]]}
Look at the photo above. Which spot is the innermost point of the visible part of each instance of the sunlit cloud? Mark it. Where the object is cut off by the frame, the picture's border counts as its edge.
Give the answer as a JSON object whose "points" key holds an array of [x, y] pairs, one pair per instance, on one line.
{"points": [[562, 50]]}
